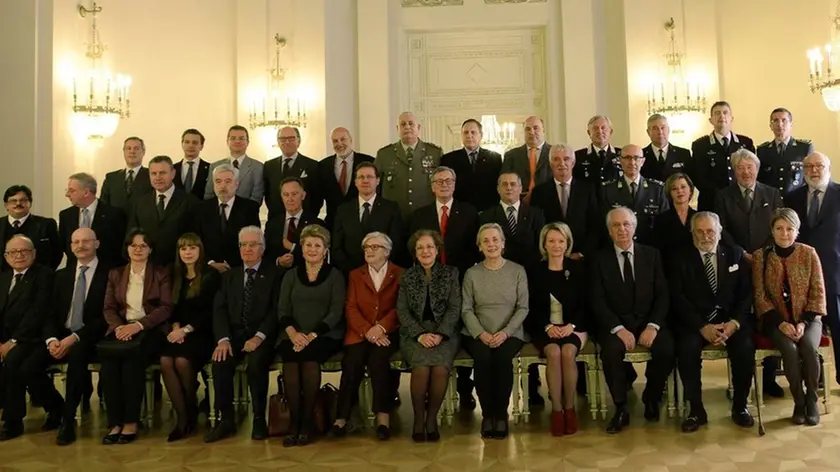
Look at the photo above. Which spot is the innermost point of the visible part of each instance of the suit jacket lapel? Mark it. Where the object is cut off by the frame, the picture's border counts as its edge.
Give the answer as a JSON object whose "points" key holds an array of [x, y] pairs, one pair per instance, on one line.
{"points": [[368, 280], [828, 201], [174, 202], [18, 288], [244, 167]]}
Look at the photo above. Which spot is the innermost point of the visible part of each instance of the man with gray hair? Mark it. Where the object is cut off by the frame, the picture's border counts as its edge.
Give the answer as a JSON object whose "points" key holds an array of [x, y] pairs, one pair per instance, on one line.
{"points": [[598, 162], [245, 328], [712, 293], [661, 157], [218, 220], [87, 211]]}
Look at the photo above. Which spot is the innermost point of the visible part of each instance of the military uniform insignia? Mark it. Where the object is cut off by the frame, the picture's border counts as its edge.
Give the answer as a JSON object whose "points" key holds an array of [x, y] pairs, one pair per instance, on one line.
{"points": [[645, 185]]}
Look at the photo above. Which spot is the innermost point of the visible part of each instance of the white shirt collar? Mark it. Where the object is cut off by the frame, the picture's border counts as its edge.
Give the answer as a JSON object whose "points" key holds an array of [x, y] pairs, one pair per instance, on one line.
{"points": [[168, 194], [23, 272], [293, 157], [135, 169], [256, 267], [448, 204], [619, 251], [638, 180], [91, 208], [229, 202], [476, 150], [718, 138], [786, 141], [239, 159], [567, 182], [703, 253], [339, 159], [413, 146], [381, 272], [184, 162], [656, 149], [505, 206], [822, 188], [742, 189], [593, 149], [90, 265], [362, 201], [296, 216], [22, 220]]}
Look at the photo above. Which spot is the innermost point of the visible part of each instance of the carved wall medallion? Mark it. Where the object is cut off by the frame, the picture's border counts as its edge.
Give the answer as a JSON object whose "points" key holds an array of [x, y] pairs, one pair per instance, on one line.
{"points": [[431, 3]]}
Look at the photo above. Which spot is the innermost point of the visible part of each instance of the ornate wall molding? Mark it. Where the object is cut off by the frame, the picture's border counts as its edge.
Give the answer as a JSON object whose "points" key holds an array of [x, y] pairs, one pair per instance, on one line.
{"points": [[499, 2], [431, 3]]}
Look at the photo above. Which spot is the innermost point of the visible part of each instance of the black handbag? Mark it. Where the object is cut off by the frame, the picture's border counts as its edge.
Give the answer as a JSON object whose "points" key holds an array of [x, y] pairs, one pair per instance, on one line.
{"points": [[113, 347]]}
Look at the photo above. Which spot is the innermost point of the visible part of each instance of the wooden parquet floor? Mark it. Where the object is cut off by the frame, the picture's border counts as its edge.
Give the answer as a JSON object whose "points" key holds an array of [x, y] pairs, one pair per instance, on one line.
{"points": [[644, 447]]}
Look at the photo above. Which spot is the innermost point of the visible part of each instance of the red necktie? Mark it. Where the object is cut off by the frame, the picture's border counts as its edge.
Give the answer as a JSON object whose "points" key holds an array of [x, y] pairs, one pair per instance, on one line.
{"points": [[342, 177], [532, 168], [444, 222], [290, 233]]}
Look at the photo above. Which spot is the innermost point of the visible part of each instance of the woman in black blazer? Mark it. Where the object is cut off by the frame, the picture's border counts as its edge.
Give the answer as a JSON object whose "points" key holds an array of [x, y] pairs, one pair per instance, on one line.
{"points": [[190, 343], [557, 321], [672, 229]]}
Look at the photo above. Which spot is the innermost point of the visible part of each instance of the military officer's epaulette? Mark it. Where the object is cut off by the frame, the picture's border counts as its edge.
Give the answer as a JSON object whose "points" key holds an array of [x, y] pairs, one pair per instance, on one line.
{"points": [[433, 146], [803, 141], [608, 182], [765, 144], [387, 146], [655, 182]]}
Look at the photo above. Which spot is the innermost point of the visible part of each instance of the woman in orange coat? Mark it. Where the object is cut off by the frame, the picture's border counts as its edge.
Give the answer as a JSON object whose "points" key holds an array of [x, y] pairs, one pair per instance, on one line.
{"points": [[371, 338]]}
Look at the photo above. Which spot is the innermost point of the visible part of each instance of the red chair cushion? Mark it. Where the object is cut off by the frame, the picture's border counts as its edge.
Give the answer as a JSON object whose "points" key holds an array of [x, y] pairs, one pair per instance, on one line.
{"points": [[763, 342]]}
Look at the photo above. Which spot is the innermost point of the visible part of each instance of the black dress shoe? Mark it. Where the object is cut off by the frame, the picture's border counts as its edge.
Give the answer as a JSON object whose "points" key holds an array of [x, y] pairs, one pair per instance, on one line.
{"points": [[652, 411], [500, 429], [291, 440], [259, 431], [222, 430], [742, 417], [111, 439], [304, 439], [52, 423], [772, 389], [467, 402], [812, 413], [694, 422], [487, 427], [177, 434], [619, 420], [798, 417], [339, 431], [11, 430], [383, 433], [66, 434], [127, 438], [418, 437]]}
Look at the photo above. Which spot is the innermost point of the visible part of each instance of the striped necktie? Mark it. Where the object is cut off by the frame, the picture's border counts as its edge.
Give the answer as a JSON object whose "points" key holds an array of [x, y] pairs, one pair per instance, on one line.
{"points": [[511, 219]]}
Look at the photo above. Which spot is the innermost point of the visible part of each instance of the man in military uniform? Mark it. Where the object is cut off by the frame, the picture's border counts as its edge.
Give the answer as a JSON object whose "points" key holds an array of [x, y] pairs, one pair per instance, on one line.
{"points": [[406, 166], [710, 166], [661, 157], [644, 196], [781, 158], [598, 162]]}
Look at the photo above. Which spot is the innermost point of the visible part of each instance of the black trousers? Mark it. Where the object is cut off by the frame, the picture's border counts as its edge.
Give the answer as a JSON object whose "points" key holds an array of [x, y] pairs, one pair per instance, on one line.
{"points": [[77, 382], [493, 370], [123, 378], [658, 369], [741, 351], [20, 372], [258, 362], [377, 359]]}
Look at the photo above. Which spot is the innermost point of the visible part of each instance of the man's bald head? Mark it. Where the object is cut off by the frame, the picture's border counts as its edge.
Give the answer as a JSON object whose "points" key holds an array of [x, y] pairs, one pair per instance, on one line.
{"points": [[84, 243], [342, 141], [632, 160]]}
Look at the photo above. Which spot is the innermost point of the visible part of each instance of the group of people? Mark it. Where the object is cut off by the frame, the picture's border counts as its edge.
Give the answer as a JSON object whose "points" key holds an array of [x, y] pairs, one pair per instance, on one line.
{"points": [[407, 261]]}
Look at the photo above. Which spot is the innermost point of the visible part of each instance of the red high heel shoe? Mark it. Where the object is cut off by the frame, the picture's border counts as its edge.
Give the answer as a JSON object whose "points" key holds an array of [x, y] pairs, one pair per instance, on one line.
{"points": [[558, 423], [571, 421]]}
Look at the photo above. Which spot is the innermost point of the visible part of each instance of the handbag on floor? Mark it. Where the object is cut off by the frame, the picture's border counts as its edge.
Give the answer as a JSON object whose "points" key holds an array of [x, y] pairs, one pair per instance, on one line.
{"points": [[279, 418], [326, 406]]}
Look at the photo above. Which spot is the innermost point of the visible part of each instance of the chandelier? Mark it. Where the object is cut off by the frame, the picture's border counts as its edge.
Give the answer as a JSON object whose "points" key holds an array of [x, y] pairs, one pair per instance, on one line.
{"points": [[277, 108], [675, 95], [100, 100], [495, 136], [821, 78]]}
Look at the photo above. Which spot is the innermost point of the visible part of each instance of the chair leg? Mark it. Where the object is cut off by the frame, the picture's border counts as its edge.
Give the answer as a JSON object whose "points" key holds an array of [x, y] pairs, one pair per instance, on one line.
{"points": [[730, 390], [828, 379], [671, 395], [680, 394], [212, 416], [526, 393], [150, 397], [516, 393], [759, 384], [592, 389], [602, 393]]}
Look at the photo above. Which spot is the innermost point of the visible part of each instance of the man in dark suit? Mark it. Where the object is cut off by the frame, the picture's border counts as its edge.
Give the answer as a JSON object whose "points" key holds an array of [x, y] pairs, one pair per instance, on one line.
{"points": [[570, 200], [710, 168], [25, 305], [192, 172], [712, 304], [42, 231], [818, 206], [645, 197], [282, 232], [122, 187], [335, 174], [368, 213], [629, 299], [520, 222], [530, 161], [477, 168], [291, 164], [245, 327], [89, 212], [781, 157], [661, 157], [166, 213], [250, 169], [218, 221], [599, 161], [75, 326]]}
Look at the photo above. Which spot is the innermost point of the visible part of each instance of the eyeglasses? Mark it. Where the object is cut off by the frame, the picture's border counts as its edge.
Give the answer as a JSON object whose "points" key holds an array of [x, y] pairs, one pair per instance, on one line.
{"points": [[18, 252], [806, 167], [15, 201], [444, 181], [250, 244], [365, 177], [139, 246], [632, 158], [372, 247], [286, 139]]}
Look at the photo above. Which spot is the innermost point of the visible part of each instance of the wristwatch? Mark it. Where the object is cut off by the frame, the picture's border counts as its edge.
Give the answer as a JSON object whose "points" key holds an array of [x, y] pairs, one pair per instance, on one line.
{"points": [[188, 329], [13, 341]]}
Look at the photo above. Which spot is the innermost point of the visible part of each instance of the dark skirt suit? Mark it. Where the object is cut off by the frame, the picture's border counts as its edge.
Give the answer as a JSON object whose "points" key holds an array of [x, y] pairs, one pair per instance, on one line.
{"points": [[569, 288], [434, 307], [494, 301], [365, 308], [198, 313], [123, 372], [671, 236]]}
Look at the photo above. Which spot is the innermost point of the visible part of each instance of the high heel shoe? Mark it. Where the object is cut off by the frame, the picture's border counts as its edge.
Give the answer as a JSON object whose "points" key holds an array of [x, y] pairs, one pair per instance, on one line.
{"points": [[432, 436], [418, 437], [571, 421], [127, 438], [558, 423], [177, 434]]}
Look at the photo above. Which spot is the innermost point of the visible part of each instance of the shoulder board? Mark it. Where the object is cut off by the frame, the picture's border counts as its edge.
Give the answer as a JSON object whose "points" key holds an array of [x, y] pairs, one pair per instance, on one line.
{"points": [[764, 144], [433, 145], [385, 147], [608, 182], [803, 141], [655, 182]]}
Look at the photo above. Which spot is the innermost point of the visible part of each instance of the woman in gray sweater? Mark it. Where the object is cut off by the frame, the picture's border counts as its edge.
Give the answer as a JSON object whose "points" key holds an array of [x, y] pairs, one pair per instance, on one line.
{"points": [[495, 303], [311, 311]]}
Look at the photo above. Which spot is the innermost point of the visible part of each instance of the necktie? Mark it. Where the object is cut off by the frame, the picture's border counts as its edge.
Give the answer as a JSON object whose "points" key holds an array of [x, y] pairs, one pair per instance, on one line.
{"points": [[77, 314], [780, 149], [629, 281], [711, 276], [661, 155], [236, 163], [85, 218], [15, 281], [814, 209], [511, 219], [16, 225], [342, 177], [188, 180], [409, 155], [602, 155], [564, 199], [287, 164], [246, 298], [290, 232], [726, 143], [129, 182], [473, 157], [748, 198], [444, 223], [532, 168], [223, 216], [633, 187], [160, 205], [365, 215]]}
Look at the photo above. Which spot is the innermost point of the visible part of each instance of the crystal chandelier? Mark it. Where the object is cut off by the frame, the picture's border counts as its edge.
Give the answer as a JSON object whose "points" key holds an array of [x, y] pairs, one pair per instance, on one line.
{"points": [[495, 136], [100, 100], [821, 78], [277, 108], [675, 95]]}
